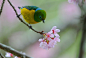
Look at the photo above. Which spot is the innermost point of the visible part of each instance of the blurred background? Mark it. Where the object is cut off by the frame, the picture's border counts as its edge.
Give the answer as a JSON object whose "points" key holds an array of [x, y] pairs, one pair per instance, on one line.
{"points": [[60, 13]]}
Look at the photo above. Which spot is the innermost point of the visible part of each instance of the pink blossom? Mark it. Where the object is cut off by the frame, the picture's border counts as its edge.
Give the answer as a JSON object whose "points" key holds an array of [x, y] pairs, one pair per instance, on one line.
{"points": [[73, 1], [17, 57], [52, 43], [8, 54], [57, 39], [50, 39], [0, 2], [49, 35], [41, 40], [44, 45], [55, 31]]}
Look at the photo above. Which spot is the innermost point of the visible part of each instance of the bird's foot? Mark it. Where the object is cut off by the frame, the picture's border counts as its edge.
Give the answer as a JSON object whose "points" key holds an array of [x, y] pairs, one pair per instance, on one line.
{"points": [[19, 15], [30, 26]]}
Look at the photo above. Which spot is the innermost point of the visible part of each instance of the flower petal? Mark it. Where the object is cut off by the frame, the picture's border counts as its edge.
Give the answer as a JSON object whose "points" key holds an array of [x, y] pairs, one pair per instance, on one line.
{"points": [[74, 1], [40, 40], [56, 35], [44, 45], [57, 39], [54, 27], [52, 43], [8, 54], [16, 57], [57, 30], [52, 35]]}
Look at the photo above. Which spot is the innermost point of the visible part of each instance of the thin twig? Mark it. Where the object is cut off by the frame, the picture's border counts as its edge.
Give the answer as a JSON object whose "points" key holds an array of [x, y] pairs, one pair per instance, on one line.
{"points": [[2, 56], [13, 51], [81, 51], [22, 20], [2, 6]]}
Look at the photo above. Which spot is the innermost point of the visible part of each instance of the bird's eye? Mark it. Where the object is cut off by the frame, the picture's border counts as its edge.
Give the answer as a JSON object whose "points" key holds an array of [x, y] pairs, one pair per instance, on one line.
{"points": [[40, 17]]}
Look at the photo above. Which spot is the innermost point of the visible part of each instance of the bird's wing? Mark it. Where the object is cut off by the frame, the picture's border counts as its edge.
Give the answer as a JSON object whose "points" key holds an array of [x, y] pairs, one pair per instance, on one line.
{"points": [[30, 7]]}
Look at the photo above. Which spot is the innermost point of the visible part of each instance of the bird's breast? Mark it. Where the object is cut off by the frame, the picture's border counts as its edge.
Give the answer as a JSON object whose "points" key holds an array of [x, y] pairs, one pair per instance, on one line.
{"points": [[28, 15]]}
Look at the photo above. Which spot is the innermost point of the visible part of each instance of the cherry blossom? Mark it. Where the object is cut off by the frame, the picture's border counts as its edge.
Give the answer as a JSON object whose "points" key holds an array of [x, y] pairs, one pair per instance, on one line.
{"points": [[57, 39], [49, 35], [73, 1], [16, 57], [44, 45], [8, 54], [55, 31], [50, 39]]}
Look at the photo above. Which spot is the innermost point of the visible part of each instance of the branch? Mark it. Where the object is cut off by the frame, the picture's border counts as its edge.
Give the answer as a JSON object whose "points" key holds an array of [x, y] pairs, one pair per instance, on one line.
{"points": [[2, 6], [83, 39], [2, 56], [13, 51], [22, 20]]}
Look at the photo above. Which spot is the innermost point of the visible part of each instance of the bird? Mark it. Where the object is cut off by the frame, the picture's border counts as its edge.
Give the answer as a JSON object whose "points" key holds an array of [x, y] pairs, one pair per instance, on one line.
{"points": [[33, 14]]}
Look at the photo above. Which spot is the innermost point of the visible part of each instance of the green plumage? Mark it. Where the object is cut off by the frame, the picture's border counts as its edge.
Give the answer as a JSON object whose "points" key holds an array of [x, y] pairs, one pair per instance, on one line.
{"points": [[39, 15]]}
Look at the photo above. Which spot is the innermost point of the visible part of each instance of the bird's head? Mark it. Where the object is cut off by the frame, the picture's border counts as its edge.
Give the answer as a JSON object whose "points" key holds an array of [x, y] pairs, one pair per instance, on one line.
{"points": [[39, 15]]}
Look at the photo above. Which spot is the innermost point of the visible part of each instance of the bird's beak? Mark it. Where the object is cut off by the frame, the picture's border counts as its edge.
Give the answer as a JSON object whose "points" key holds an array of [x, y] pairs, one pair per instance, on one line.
{"points": [[43, 20]]}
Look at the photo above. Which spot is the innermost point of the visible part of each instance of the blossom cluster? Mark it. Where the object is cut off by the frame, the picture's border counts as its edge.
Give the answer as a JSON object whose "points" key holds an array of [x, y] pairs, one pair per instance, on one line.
{"points": [[50, 39], [73, 1], [10, 55], [76, 1]]}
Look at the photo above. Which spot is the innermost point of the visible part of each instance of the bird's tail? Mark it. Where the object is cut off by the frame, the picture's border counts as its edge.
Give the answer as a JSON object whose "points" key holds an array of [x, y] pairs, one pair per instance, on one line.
{"points": [[19, 7]]}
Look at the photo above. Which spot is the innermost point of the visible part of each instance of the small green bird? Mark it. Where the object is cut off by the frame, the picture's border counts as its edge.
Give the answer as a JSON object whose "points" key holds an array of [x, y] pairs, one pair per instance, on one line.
{"points": [[32, 14]]}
